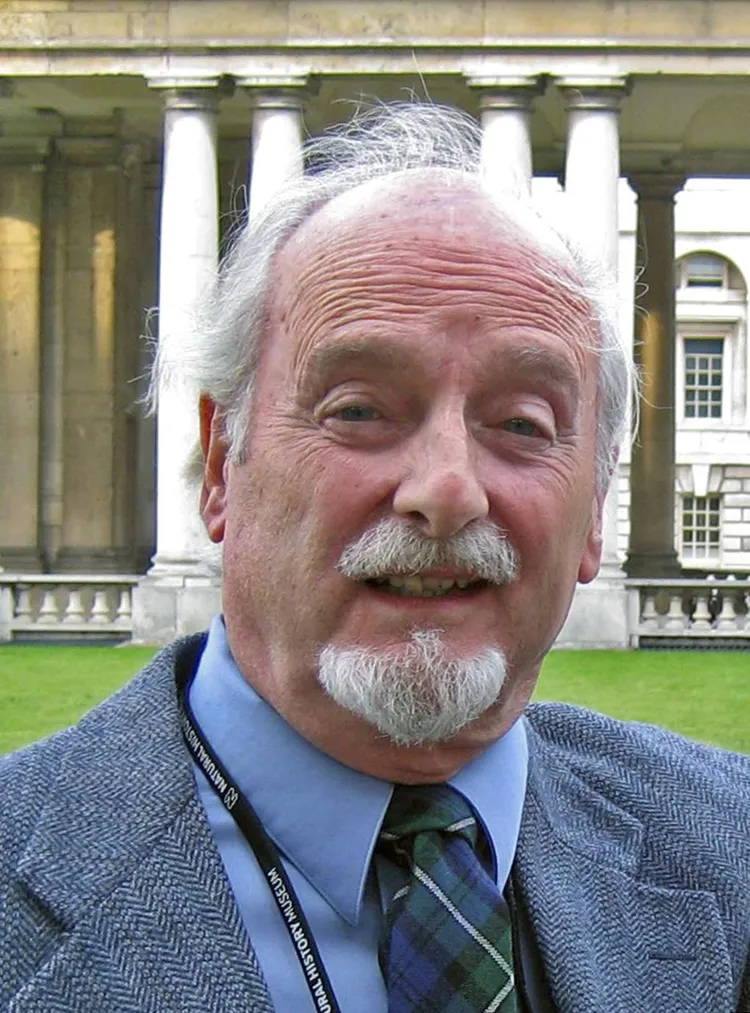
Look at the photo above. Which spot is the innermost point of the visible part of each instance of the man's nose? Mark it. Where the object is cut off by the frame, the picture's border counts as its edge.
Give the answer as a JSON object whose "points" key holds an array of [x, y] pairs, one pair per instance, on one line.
{"points": [[442, 493]]}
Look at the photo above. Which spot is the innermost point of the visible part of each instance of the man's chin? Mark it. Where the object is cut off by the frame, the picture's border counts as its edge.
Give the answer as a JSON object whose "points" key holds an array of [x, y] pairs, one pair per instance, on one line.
{"points": [[417, 695]]}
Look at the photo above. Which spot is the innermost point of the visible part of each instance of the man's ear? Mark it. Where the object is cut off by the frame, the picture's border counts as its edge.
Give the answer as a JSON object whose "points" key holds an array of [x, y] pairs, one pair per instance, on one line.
{"points": [[592, 549], [213, 488]]}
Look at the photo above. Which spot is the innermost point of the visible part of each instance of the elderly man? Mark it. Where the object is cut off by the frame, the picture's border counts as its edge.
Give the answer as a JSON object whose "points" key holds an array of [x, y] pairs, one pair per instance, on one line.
{"points": [[411, 397]]}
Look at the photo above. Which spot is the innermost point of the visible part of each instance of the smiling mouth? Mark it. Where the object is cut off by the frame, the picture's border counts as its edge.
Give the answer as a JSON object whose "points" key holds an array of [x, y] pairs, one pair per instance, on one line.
{"points": [[413, 586]]}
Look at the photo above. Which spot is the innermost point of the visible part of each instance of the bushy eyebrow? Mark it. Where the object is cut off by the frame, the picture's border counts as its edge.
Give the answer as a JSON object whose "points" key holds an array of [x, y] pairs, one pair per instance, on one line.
{"points": [[541, 364], [360, 354], [524, 362]]}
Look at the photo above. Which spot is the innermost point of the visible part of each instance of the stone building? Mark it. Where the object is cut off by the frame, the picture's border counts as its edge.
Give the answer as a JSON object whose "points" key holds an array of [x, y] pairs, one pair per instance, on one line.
{"points": [[134, 132]]}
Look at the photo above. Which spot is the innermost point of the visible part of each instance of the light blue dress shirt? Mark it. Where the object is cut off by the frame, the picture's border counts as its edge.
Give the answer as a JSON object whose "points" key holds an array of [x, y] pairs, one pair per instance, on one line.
{"points": [[324, 818]]}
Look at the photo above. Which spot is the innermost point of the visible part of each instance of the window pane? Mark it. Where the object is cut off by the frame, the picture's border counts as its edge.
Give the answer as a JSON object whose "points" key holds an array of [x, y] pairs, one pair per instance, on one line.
{"points": [[704, 377], [701, 527], [704, 346], [704, 269]]}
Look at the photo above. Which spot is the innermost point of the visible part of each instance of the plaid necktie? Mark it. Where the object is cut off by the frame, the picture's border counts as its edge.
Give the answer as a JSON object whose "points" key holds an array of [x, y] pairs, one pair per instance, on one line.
{"points": [[447, 942]]}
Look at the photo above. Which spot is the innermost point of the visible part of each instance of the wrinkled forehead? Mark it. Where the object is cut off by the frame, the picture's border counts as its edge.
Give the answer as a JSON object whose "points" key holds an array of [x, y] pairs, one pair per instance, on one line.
{"points": [[440, 205]]}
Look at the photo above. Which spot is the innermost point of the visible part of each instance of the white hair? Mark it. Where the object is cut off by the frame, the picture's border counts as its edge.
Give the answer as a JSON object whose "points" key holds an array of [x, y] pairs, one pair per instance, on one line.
{"points": [[221, 356], [417, 694]]}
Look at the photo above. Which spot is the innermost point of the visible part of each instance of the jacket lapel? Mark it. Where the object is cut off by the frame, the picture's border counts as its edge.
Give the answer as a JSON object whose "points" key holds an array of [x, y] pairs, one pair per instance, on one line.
{"points": [[610, 940], [123, 861]]}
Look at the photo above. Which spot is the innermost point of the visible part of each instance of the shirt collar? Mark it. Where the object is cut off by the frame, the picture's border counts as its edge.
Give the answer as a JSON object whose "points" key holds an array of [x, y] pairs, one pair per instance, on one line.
{"points": [[322, 815]]}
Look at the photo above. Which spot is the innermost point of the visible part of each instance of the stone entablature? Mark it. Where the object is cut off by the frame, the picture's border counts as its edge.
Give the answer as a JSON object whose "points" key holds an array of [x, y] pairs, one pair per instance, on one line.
{"points": [[374, 21]]}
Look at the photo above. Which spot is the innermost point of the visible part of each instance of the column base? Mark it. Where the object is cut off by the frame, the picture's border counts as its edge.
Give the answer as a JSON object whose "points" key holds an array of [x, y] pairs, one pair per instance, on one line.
{"points": [[653, 564], [167, 605], [20, 560], [598, 618], [94, 560]]}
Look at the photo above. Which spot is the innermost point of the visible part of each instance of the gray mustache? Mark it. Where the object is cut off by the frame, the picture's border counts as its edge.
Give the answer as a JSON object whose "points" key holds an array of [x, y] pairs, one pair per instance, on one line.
{"points": [[481, 550]]}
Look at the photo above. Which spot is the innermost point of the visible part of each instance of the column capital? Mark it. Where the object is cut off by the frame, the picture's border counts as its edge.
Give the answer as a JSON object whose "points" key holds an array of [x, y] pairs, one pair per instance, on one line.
{"points": [[198, 93], [661, 186], [88, 150], [594, 93], [29, 151], [505, 91], [287, 91]]}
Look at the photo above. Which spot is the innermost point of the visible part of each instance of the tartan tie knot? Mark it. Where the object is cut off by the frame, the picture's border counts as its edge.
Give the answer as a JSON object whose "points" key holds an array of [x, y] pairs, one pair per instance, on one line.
{"points": [[418, 809]]}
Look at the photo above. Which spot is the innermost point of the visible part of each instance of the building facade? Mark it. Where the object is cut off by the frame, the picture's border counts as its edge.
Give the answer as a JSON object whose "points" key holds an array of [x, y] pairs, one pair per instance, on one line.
{"points": [[134, 134], [711, 357]]}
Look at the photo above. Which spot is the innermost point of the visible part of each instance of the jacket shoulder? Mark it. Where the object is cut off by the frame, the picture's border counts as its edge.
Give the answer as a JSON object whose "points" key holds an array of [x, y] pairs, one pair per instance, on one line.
{"points": [[79, 790], [591, 741], [30, 775], [693, 799]]}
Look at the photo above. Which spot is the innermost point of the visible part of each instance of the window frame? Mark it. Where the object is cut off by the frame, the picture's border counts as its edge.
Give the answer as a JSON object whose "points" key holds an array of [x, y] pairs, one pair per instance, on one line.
{"points": [[709, 559], [714, 330], [717, 364]]}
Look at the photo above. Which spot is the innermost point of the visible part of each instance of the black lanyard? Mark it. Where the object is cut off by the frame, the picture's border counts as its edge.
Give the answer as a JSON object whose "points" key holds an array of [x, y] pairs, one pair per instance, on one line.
{"points": [[268, 858]]}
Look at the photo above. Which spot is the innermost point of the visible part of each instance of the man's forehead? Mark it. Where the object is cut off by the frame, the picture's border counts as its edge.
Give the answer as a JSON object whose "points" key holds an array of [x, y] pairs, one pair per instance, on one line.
{"points": [[438, 203]]}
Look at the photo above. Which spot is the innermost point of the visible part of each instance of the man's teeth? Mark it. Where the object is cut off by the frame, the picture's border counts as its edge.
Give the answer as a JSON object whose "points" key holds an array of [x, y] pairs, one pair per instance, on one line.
{"points": [[424, 587]]}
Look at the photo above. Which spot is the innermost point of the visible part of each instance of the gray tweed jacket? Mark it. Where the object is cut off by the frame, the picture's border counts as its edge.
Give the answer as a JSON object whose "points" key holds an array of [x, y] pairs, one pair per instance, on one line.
{"points": [[634, 863]]}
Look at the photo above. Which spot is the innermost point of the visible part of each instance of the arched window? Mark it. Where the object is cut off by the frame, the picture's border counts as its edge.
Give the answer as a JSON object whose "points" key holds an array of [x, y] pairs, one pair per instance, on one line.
{"points": [[705, 270]]}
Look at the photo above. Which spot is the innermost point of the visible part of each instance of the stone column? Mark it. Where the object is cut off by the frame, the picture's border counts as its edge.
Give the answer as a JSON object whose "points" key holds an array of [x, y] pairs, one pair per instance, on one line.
{"points": [[22, 162], [592, 173], [89, 322], [178, 595], [276, 135], [145, 508], [129, 316], [652, 470], [92, 323], [53, 363], [505, 113], [592, 163]]}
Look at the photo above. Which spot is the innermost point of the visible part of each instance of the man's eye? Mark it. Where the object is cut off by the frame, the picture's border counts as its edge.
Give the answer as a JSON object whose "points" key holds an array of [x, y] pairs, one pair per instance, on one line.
{"points": [[521, 427], [357, 413]]}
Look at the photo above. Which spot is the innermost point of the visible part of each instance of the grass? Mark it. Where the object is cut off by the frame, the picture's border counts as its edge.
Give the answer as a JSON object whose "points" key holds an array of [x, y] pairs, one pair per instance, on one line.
{"points": [[705, 695], [43, 689], [702, 694]]}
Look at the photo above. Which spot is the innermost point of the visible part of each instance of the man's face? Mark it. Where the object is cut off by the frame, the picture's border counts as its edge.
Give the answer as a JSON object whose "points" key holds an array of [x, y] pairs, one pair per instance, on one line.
{"points": [[418, 366]]}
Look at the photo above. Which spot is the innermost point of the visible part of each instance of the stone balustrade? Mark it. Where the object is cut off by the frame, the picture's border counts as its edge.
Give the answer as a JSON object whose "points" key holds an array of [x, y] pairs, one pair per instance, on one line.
{"points": [[689, 612], [59, 607], [662, 613]]}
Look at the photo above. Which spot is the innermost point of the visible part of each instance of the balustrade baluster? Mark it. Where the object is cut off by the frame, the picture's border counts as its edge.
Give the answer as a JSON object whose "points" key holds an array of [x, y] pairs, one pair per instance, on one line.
{"points": [[74, 613], [702, 618], [100, 608], [650, 618], [727, 619], [22, 613], [676, 619], [124, 615], [48, 613]]}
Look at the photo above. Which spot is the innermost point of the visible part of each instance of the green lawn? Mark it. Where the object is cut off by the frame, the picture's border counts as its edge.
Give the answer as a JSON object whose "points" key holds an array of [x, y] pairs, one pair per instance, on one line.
{"points": [[702, 694], [46, 688], [705, 695]]}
